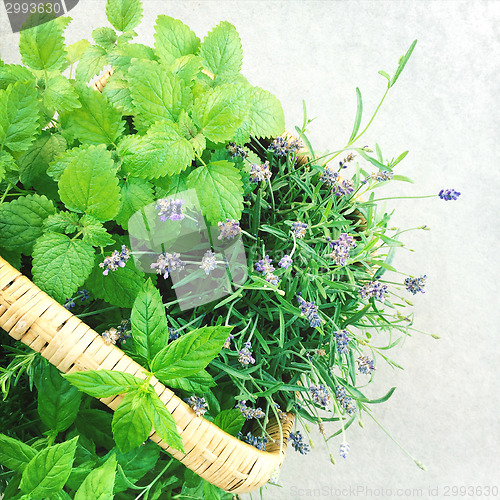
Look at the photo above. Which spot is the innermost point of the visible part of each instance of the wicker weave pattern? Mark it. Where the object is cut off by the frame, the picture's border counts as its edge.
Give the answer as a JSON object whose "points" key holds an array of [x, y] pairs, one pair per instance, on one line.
{"points": [[34, 318]]}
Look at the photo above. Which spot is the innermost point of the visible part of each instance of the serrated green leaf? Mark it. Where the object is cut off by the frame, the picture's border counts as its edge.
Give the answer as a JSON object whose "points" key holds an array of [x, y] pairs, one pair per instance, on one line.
{"points": [[18, 116], [219, 189], [220, 111], [94, 232], [7, 164], [118, 94], [173, 39], [61, 161], [198, 383], [91, 63], [171, 185], [221, 50], [58, 401], [12, 73], [35, 161], [135, 194], [121, 56], [96, 121], [105, 37], [14, 454], [230, 421], [157, 93], [132, 421], [265, 117], [119, 287], [60, 95], [75, 50], [88, 184], [103, 383], [190, 353], [164, 423], [149, 322], [186, 67], [99, 484], [61, 265], [42, 47], [162, 151], [48, 471], [21, 221], [124, 15]]}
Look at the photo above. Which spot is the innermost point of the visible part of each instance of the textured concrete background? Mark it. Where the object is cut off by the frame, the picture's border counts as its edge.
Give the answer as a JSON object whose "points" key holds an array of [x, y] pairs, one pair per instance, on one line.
{"points": [[444, 109]]}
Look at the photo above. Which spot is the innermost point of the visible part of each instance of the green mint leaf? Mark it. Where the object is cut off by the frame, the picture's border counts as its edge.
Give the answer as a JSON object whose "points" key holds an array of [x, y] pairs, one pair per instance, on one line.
{"points": [[62, 222], [58, 401], [164, 423], [186, 67], [149, 322], [103, 383], [62, 160], [96, 122], [18, 116], [220, 111], [21, 221], [162, 151], [60, 95], [190, 353], [75, 50], [99, 484], [14, 454], [61, 265], [96, 425], [7, 164], [135, 194], [198, 383], [157, 93], [121, 57], [42, 47], [48, 471], [219, 189], [12, 73], [89, 184], [266, 117], [124, 15], [230, 421], [221, 50], [105, 37], [91, 63], [119, 288], [132, 421], [118, 94], [170, 186], [36, 159], [94, 232], [173, 39]]}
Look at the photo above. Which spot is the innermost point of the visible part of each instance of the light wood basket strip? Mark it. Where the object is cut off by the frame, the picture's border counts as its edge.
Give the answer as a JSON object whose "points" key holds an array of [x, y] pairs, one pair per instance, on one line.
{"points": [[31, 316]]}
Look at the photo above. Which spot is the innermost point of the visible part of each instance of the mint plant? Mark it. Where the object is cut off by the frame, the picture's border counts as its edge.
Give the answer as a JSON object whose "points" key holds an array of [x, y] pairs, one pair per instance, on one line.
{"points": [[171, 212]]}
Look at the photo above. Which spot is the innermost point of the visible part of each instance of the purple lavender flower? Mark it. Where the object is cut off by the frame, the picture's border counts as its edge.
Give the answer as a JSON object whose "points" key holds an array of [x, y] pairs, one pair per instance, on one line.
{"points": [[344, 450], [229, 229], [257, 442], [116, 260], [285, 262], [173, 334], [298, 443], [208, 262], [198, 405], [259, 173], [365, 365], [249, 413], [245, 355], [227, 343], [341, 247], [320, 395], [236, 150], [342, 339], [346, 402], [448, 194], [373, 289], [272, 278], [299, 229], [310, 311], [382, 175], [82, 295], [264, 265], [415, 285], [282, 146], [170, 209], [333, 179], [166, 263]]}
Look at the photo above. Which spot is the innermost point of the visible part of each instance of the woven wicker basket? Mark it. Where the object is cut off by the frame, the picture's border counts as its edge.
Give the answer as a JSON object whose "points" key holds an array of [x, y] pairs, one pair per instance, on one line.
{"points": [[31, 316]]}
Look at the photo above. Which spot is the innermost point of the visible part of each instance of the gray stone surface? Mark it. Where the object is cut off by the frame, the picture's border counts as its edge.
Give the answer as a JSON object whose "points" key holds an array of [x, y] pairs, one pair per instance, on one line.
{"points": [[444, 109]]}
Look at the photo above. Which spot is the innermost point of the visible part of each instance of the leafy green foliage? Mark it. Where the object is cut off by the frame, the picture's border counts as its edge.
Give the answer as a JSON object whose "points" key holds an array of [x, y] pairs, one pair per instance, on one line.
{"points": [[14, 454], [198, 383], [21, 221], [134, 195], [230, 421], [94, 232], [48, 471], [99, 483], [61, 265], [124, 15], [88, 184]]}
